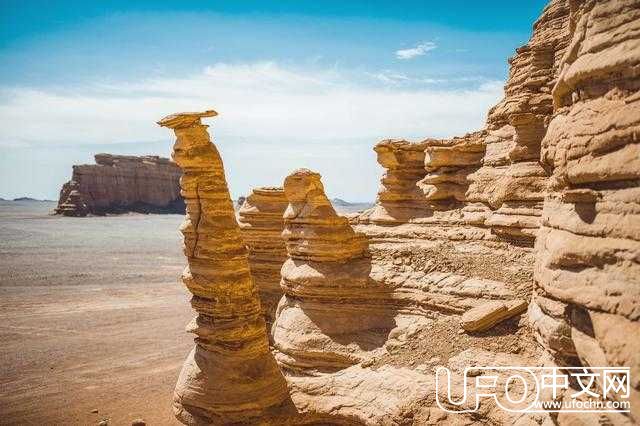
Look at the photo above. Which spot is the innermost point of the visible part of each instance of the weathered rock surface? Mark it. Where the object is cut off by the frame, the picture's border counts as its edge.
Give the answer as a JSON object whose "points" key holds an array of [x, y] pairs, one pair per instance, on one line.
{"points": [[230, 376], [261, 221], [119, 184], [448, 164], [512, 182], [588, 249], [326, 283], [399, 198]]}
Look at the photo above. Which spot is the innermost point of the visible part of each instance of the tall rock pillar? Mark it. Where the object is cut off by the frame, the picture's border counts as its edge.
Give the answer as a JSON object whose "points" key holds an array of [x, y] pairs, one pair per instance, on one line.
{"points": [[230, 376]]}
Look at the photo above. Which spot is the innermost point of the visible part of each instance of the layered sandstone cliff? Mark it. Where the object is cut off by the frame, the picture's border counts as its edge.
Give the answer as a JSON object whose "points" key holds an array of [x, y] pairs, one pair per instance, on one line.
{"points": [[588, 248], [512, 181], [347, 307], [120, 183], [560, 168]]}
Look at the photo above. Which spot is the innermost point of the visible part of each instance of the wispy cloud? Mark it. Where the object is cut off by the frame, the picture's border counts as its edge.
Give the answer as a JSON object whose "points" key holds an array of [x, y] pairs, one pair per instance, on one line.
{"points": [[272, 120], [261, 100], [395, 78], [419, 50]]}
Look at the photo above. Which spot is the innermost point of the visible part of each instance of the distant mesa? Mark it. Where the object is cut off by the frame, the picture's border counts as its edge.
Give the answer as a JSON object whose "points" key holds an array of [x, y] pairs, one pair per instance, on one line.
{"points": [[121, 184]]}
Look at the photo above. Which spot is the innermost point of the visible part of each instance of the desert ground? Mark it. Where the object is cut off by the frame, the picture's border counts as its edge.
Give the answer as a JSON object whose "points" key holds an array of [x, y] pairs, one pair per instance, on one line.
{"points": [[92, 316]]}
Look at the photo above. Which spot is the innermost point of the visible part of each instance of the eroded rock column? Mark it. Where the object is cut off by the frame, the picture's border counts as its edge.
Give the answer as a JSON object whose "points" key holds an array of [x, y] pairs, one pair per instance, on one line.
{"points": [[447, 164], [399, 199], [261, 222], [329, 310], [230, 376]]}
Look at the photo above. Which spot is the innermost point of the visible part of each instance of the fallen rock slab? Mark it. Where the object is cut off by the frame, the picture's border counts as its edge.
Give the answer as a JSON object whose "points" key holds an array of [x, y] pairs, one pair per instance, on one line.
{"points": [[489, 314]]}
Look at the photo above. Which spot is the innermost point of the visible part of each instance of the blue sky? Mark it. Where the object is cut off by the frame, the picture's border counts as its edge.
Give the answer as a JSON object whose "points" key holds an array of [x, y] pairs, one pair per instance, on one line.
{"points": [[296, 83]]}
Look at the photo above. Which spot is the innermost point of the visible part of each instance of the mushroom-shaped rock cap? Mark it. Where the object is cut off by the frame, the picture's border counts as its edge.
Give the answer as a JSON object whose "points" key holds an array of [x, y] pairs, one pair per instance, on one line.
{"points": [[185, 119]]}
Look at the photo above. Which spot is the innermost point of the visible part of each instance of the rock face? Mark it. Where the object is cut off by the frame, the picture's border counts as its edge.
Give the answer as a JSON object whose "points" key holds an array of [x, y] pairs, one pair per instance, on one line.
{"points": [[511, 181], [230, 376], [119, 183], [261, 221], [348, 306], [588, 249], [399, 198]]}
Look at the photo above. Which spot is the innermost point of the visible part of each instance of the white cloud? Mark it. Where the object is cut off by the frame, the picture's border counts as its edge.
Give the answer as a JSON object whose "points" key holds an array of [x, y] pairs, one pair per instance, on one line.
{"points": [[394, 78], [272, 120], [419, 50], [262, 101]]}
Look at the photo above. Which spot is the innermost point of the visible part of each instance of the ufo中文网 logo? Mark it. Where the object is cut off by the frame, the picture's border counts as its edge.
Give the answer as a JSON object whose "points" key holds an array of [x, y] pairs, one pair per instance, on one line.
{"points": [[536, 389]]}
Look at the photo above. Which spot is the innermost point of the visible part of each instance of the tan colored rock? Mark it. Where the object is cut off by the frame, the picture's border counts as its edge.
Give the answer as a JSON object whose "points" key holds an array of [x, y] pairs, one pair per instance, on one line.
{"points": [[511, 180], [71, 202], [313, 230], [552, 329], [492, 178], [489, 314], [230, 376], [326, 284], [399, 198], [451, 236], [120, 184], [448, 163], [588, 249], [261, 222]]}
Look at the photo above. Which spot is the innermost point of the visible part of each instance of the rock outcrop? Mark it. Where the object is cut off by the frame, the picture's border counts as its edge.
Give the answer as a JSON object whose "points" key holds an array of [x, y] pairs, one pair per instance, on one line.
{"points": [[230, 376], [399, 198], [588, 249], [512, 182], [119, 184], [345, 309], [325, 280], [261, 221], [516, 245]]}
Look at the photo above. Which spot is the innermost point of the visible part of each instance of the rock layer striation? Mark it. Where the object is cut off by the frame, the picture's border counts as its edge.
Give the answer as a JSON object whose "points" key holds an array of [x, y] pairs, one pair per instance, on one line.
{"points": [[230, 376], [119, 184], [261, 221], [588, 249]]}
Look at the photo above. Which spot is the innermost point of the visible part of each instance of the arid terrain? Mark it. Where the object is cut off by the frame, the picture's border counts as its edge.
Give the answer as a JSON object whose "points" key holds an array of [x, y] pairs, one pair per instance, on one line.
{"points": [[92, 316], [494, 281]]}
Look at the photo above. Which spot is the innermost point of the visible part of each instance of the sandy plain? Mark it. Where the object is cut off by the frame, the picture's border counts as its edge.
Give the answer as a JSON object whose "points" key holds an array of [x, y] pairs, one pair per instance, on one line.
{"points": [[92, 316]]}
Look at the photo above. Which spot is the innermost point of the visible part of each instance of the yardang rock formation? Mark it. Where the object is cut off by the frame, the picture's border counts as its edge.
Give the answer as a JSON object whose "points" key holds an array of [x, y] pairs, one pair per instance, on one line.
{"points": [[230, 376], [121, 183], [516, 245], [261, 221]]}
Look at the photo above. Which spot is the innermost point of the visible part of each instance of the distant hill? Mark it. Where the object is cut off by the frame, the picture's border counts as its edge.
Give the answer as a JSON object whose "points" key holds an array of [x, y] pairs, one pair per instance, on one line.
{"points": [[342, 203], [345, 207], [24, 199]]}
